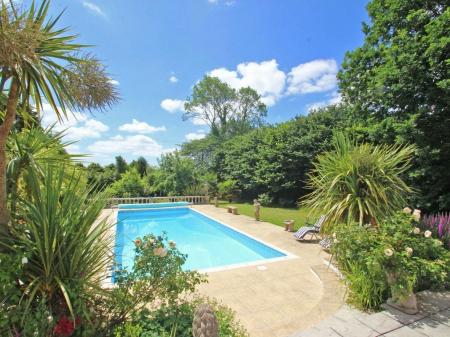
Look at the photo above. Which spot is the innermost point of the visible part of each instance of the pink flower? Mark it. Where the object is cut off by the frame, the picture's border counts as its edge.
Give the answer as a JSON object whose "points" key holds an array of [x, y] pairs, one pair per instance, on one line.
{"points": [[160, 251]]}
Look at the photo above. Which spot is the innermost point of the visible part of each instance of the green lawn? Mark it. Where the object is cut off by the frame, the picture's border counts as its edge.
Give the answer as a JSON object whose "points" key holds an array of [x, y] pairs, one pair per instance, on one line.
{"points": [[275, 215]]}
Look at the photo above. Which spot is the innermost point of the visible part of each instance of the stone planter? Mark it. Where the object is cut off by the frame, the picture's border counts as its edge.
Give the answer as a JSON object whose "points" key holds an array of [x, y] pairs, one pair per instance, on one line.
{"points": [[403, 300]]}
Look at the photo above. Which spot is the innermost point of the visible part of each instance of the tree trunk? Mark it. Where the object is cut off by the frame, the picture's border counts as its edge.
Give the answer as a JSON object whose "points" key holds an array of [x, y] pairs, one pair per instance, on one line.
{"points": [[5, 128]]}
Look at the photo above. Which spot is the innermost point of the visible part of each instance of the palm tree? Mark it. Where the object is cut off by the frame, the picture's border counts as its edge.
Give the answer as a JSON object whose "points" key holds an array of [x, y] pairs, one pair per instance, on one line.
{"points": [[359, 183], [40, 63]]}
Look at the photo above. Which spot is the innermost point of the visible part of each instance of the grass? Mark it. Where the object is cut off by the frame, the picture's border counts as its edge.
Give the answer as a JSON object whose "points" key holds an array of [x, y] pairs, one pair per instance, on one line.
{"points": [[275, 215]]}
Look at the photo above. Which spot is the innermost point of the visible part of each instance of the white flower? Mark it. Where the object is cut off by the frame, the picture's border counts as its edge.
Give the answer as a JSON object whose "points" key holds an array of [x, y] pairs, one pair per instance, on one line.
{"points": [[172, 244], [407, 210], [50, 318], [416, 230], [334, 235], [427, 234], [151, 240], [335, 240], [416, 214], [388, 252], [409, 251], [24, 260]]}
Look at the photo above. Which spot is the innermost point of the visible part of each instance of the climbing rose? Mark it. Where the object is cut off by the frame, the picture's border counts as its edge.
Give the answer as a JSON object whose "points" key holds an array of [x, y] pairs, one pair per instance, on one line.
{"points": [[427, 234], [416, 230], [138, 242], [172, 244], [416, 214], [409, 251], [407, 210], [24, 260], [388, 252], [160, 251]]}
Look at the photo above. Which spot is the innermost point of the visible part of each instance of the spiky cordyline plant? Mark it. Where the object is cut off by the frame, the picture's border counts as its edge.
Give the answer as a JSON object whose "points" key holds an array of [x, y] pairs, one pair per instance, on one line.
{"points": [[359, 183], [40, 63], [33, 149], [69, 247]]}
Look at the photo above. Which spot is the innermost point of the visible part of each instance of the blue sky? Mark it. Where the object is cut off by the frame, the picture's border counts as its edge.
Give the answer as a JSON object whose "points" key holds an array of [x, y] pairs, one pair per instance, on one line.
{"points": [[156, 50]]}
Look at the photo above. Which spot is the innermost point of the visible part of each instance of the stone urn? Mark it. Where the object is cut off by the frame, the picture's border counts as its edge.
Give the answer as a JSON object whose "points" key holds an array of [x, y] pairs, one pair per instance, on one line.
{"points": [[289, 225], [205, 322], [402, 299], [257, 206]]}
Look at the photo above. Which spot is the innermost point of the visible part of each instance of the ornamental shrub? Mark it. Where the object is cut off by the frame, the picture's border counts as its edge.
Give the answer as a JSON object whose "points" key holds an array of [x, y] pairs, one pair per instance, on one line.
{"points": [[366, 254]]}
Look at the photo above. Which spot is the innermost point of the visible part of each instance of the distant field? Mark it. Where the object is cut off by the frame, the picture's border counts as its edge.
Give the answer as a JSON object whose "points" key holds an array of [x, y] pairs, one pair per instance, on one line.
{"points": [[275, 215]]}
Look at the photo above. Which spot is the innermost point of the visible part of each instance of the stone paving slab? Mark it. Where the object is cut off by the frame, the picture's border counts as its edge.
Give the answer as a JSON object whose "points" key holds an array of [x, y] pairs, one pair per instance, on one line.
{"points": [[281, 297], [433, 320]]}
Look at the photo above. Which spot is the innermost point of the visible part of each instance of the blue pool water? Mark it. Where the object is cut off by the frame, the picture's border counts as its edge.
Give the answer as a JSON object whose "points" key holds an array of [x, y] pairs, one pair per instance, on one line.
{"points": [[207, 243]]}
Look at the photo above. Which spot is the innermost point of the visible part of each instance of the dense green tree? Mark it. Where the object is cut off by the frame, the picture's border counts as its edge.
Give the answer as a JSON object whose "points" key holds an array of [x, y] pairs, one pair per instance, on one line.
{"points": [[398, 83], [129, 185], [226, 110], [100, 177], [202, 151], [141, 166], [121, 166], [275, 160], [176, 175]]}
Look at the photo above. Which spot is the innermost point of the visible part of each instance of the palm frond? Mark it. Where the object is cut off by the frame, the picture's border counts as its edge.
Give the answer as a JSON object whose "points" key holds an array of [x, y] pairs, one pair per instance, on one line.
{"points": [[359, 182]]}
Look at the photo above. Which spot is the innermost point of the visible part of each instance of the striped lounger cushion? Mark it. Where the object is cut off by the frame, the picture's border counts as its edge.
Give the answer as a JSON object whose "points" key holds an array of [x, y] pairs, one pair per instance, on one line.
{"points": [[302, 232], [325, 243]]}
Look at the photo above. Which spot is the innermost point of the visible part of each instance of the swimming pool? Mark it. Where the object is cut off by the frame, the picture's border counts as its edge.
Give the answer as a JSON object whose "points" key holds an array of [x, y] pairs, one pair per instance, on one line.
{"points": [[208, 243]]}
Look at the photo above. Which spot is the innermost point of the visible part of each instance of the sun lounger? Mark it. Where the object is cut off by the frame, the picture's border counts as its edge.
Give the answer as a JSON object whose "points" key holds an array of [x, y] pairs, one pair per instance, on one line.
{"points": [[310, 230]]}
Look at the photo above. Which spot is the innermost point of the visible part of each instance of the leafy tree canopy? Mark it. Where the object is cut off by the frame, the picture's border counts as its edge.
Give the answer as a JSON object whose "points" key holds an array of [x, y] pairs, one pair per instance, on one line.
{"points": [[226, 110], [398, 83]]}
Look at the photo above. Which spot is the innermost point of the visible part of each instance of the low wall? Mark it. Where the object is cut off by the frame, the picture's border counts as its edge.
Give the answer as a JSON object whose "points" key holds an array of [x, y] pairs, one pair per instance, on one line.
{"points": [[193, 199]]}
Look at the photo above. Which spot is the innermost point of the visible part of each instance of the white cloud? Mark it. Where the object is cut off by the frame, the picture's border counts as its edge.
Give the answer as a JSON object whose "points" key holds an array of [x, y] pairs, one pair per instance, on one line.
{"points": [[272, 83], [198, 121], [135, 145], [140, 127], [264, 77], [94, 8], [314, 76], [173, 79], [195, 135], [335, 98], [114, 82], [172, 105], [77, 125]]}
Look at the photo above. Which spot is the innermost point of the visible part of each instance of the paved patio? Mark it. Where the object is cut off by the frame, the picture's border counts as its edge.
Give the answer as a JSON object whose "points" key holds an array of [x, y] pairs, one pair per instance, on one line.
{"points": [[433, 320], [275, 299]]}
